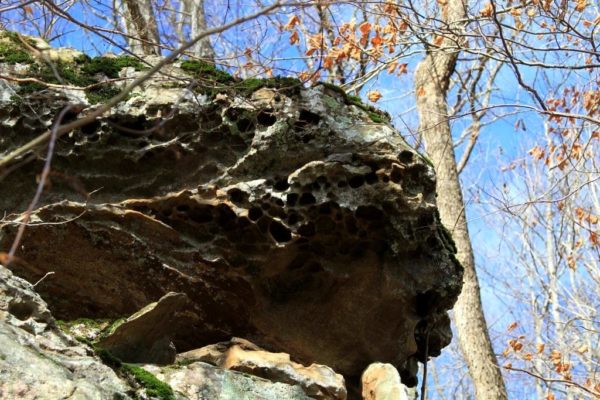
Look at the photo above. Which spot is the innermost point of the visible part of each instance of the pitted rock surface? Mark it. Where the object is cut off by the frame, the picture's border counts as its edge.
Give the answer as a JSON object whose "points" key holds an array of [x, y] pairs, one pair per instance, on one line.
{"points": [[286, 215]]}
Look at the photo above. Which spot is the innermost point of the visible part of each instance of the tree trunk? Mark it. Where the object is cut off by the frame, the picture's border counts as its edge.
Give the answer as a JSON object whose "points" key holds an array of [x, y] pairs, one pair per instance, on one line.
{"points": [[141, 22], [432, 78], [203, 49]]}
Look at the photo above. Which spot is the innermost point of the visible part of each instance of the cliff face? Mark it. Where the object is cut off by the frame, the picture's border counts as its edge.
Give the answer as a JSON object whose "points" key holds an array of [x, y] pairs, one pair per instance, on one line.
{"points": [[294, 217]]}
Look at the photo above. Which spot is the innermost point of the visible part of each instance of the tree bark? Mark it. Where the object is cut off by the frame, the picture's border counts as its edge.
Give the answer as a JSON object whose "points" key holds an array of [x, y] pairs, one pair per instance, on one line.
{"points": [[203, 48], [141, 22], [432, 78]]}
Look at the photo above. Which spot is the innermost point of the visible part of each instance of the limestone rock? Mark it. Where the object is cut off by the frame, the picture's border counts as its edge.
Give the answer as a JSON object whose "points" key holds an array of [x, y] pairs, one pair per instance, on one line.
{"points": [[295, 217], [37, 361], [201, 381], [146, 336], [317, 381], [382, 382]]}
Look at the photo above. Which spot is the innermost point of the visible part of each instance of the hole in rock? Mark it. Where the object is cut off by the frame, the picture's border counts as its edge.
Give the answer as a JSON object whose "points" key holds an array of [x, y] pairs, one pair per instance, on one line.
{"points": [[293, 219], [342, 184], [291, 199], [281, 185], [255, 213], [236, 195], [245, 125], [307, 198], [90, 128], [356, 181], [22, 311], [201, 215], [396, 174], [307, 230], [308, 117], [263, 224], [385, 178], [371, 178], [280, 232], [325, 208], [406, 156], [226, 217], [266, 118], [265, 206], [369, 212]]}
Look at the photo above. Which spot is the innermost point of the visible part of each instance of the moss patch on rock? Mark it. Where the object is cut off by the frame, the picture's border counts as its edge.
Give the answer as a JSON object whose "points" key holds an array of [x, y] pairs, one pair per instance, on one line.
{"points": [[154, 387], [109, 66], [200, 69], [12, 51], [377, 116]]}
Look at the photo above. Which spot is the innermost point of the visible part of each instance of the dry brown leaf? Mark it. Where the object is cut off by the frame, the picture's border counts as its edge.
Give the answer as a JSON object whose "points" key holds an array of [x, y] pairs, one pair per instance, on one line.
{"points": [[374, 96]]}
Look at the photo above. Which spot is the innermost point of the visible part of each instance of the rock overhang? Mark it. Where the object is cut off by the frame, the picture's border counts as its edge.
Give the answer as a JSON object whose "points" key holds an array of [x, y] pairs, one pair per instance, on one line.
{"points": [[286, 214]]}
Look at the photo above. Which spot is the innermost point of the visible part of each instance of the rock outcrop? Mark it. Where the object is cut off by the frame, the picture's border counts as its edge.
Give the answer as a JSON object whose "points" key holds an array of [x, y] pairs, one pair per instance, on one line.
{"points": [[147, 336], [295, 217], [37, 360], [317, 381]]}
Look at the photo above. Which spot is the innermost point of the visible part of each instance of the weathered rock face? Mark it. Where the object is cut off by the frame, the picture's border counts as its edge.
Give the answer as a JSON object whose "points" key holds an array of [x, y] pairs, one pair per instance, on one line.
{"points": [[285, 214], [37, 361], [318, 381]]}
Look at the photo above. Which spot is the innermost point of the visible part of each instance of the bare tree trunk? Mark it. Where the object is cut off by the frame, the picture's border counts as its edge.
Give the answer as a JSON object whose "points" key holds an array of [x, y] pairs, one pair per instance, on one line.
{"points": [[141, 22], [202, 49], [432, 78]]}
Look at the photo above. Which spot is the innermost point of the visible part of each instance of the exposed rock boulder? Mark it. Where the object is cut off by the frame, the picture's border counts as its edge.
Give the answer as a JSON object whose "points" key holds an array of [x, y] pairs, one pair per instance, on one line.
{"points": [[295, 217], [201, 381], [37, 361], [317, 381], [382, 382], [146, 336]]}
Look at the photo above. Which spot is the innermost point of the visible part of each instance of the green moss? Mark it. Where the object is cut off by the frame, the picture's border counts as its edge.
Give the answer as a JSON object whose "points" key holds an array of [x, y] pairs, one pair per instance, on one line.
{"points": [[101, 94], [201, 69], [374, 114], [377, 118], [110, 66], [108, 359], [68, 74], [26, 88], [113, 326], [154, 386], [12, 51], [82, 59], [12, 55], [286, 85]]}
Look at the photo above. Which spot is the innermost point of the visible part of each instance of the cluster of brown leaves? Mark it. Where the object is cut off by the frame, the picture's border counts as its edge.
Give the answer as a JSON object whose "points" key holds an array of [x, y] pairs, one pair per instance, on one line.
{"points": [[369, 40], [518, 349]]}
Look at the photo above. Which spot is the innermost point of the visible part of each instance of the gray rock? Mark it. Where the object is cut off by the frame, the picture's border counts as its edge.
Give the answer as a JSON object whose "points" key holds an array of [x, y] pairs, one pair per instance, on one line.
{"points": [[37, 361], [317, 381], [201, 381], [146, 336]]}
